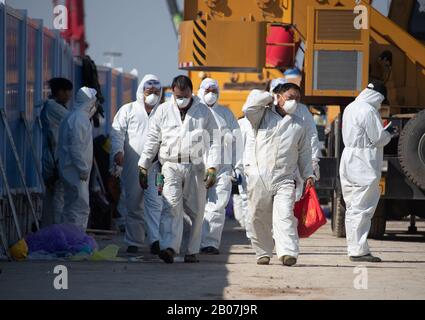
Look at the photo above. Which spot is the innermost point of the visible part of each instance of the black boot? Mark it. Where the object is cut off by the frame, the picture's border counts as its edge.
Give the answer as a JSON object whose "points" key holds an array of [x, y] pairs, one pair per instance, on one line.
{"points": [[155, 248], [132, 249], [288, 261], [365, 258], [190, 258], [167, 255], [210, 251], [263, 261]]}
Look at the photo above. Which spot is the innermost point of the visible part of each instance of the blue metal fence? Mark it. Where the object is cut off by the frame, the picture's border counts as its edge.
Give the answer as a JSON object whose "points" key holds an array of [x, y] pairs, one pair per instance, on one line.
{"points": [[14, 85], [30, 56]]}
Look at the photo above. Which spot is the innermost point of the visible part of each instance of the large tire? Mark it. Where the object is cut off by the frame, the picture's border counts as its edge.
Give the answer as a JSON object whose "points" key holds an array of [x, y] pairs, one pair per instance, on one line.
{"points": [[411, 150], [379, 221], [338, 215]]}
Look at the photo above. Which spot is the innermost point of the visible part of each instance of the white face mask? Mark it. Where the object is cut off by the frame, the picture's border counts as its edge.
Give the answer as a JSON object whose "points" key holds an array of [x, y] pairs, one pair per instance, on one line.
{"points": [[210, 98], [290, 106], [152, 99], [182, 102]]}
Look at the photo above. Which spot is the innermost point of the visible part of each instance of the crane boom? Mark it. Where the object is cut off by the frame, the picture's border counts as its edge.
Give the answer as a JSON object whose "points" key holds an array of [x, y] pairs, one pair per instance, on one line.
{"points": [[75, 35], [176, 14]]}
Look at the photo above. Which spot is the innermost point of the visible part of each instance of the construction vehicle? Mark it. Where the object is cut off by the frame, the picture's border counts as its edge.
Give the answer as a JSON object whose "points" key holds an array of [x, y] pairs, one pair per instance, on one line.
{"points": [[343, 44]]}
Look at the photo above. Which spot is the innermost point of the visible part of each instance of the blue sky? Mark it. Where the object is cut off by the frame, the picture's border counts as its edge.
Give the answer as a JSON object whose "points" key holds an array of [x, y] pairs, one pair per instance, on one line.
{"points": [[141, 29]]}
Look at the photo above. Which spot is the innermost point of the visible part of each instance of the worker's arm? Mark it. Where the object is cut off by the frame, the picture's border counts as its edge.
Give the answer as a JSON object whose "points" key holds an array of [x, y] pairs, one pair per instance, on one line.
{"points": [[304, 157], [256, 105], [153, 141], [119, 131], [375, 131], [79, 137]]}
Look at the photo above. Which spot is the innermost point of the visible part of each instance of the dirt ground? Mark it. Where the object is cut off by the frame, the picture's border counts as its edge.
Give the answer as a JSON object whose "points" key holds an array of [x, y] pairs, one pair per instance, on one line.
{"points": [[323, 272]]}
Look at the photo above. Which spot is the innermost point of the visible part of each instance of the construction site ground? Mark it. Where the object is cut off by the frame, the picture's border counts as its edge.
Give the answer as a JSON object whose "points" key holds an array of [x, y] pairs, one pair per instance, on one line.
{"points": [[323, 272]]}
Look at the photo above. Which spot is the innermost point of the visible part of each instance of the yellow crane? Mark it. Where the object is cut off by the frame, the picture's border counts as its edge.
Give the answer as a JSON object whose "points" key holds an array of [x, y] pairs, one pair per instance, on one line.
{"points": [[347, 43]]}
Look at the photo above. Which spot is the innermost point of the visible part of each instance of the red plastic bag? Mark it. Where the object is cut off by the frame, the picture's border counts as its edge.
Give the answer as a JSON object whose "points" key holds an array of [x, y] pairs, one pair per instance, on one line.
{"points": [[309, 213]]}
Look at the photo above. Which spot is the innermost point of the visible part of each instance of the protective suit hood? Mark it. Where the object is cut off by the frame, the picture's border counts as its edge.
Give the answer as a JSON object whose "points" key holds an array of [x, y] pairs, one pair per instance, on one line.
{"points": [[276, 82], [371, 97], [85, 99], [205, 84], [141, 89]]}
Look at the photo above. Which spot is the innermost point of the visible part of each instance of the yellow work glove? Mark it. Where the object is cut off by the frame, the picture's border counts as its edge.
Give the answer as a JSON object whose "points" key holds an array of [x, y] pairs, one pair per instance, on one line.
{"points": [[143, 178], [210, 178]]}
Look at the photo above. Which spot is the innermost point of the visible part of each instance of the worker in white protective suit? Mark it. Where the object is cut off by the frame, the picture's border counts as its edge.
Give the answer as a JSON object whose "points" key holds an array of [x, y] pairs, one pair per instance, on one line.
{"points": [[129, 133], [218, 196], [75, 153], [304, 113], [53, 112], [182, 130], [281, 145], [361, 165]]}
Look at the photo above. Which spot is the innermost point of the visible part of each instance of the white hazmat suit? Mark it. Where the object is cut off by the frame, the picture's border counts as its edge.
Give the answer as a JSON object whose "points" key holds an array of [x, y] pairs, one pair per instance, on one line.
{"points": [[75, 153], [303, 113], [182, 146], [281, 145], [231, 153], [129, 133], [361, 165]]}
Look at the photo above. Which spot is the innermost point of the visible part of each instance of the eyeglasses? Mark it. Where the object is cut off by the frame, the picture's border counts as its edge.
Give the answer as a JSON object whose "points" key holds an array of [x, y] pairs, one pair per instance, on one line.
{"points": [[211, 88], [152, 84]]}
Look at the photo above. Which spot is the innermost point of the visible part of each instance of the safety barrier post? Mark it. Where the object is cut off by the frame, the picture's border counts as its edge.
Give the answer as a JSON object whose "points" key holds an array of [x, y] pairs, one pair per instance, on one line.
{"points": [[23, 62], [2, 55], [23, 112], [39, 66], [38, 97], [57, 68], [2, 69], [3, 182]]}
